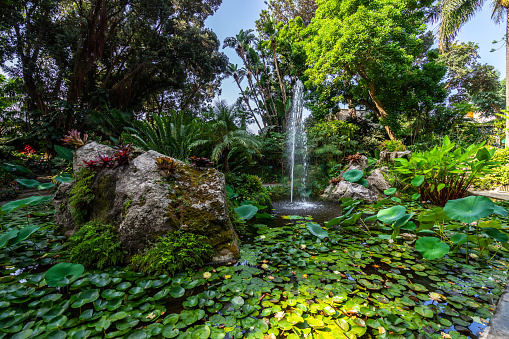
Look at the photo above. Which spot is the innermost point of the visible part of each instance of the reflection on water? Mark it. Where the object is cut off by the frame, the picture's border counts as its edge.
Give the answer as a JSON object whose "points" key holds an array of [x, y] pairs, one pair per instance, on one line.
{"points": [[321, 211]]}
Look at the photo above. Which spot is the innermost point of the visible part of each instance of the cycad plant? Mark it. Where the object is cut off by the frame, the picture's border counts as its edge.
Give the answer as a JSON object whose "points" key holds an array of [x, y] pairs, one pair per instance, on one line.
{"points": [[171, 135]]}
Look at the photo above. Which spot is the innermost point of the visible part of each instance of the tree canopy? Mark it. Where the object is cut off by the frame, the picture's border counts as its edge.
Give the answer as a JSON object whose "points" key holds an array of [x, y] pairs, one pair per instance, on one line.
{"points": [[122, 53], [365, 44]]}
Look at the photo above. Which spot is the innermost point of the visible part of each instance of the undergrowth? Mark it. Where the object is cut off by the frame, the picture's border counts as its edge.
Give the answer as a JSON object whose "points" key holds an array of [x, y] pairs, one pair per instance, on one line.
{"points": [[175, 252], [96, 245]]}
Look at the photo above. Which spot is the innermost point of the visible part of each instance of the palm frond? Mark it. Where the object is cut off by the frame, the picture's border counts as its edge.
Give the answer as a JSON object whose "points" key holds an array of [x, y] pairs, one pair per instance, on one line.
{"points": [[453, 15]]}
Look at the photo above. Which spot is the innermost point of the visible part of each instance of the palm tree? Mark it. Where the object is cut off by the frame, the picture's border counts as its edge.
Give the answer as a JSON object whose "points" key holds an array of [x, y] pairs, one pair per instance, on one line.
{"points": [[455, 13], [226, 138]]}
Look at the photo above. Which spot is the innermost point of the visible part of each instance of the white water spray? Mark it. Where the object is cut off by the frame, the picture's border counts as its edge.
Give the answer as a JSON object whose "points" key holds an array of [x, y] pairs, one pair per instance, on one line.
{"points": [[296, 143]]}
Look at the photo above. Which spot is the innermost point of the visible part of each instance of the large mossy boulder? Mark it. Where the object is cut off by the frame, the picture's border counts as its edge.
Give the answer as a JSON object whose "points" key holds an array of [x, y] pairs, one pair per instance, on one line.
{"points": [[144, 205]]}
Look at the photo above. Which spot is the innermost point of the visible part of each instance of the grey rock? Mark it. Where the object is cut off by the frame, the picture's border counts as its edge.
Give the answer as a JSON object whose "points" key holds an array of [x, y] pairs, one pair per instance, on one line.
{"points": [[361, 165], [89, 152], [377, 182], [144, 205], [345, 189], [386, 156]]}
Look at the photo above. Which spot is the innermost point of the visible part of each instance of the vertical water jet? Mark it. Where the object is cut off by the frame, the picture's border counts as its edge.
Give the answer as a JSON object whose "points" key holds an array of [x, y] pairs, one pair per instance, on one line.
{"points": [[296, 141]]}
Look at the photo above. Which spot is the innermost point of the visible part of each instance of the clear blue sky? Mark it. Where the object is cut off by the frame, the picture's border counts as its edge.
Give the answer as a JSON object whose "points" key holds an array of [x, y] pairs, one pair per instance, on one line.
{"points": [[234, 15]]}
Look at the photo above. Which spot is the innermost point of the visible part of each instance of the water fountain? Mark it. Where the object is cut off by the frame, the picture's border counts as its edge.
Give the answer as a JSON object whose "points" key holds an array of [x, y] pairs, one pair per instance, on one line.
{"points": [[296, 143], [296, 156]]}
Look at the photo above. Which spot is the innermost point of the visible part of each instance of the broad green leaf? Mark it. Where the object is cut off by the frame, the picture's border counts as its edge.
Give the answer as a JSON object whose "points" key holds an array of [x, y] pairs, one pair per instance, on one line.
{"points": [[391, 215], [390, 191], [316, 230], [45, 186], [30, 183], [459, 239], [4, 239], [500, 211], [63, 274], [431, 248], [64, 153], [353, 175], [417, 180], [469, 209], [246, 212], [496, 234]]}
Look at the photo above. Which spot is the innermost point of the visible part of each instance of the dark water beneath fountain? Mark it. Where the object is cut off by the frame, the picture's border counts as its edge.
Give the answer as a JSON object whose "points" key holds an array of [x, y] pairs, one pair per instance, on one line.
{"points": [[321, 211]]}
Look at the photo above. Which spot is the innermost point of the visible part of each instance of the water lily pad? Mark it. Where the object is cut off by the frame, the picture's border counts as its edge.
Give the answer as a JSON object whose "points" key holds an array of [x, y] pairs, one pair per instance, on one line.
{"points": [[390, 191], [316, 230], [469, 209], [177, 292], [431, 247], [63, 274], [391, 215], [353, 175], [201, 332]]}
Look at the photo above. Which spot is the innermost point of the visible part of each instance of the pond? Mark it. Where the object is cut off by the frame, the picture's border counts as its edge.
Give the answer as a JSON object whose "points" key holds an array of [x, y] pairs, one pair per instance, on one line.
{"points": [[295, 279]]}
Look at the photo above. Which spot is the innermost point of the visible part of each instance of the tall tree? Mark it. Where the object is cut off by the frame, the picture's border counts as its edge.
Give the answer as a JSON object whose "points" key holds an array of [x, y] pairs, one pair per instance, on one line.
{"points": [[124, 52], [286, 10], [453, 14], [365, 43]]}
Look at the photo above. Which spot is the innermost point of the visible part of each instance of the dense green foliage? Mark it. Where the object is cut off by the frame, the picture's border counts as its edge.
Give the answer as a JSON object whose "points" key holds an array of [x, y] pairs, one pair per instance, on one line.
{"points": [[446, 172], [81, 195], [175, 252], [96, 245], [249, 187], [172, 135], [498, 175], [332, 141]]}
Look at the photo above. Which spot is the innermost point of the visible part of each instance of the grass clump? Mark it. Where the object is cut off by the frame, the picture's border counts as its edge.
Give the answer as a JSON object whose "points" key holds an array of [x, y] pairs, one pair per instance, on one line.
{"points": [[96, 245], [175, 252], [81, 195]]}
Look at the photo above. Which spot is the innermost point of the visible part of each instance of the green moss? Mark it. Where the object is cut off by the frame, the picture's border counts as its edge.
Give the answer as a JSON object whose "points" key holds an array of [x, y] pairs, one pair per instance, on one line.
{"points": [[175, 252], [104, 190], [96, 245], [81, 195], [126, 206]]}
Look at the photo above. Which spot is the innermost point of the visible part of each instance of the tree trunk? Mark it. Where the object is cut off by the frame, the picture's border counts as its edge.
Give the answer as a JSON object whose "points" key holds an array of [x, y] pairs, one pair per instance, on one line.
{"points": [[351, 109], [383, 114], [507, 78]]}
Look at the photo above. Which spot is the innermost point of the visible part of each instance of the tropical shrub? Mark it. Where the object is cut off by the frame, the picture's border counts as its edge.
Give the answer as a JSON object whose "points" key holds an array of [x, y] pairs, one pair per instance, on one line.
{"points": [[96, 245], [170, 135], [499, 175], [175, 252], [249, 187], [392, 146], [331, 141], [446, 172]]}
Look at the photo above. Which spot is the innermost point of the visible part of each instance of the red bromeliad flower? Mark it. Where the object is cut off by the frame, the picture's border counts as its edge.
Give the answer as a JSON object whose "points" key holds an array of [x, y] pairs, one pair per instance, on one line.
{"points": [[28, 150], [123, 154], [92, 163], [107, 161]]}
